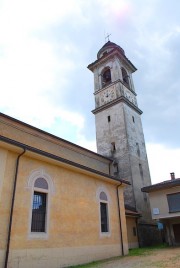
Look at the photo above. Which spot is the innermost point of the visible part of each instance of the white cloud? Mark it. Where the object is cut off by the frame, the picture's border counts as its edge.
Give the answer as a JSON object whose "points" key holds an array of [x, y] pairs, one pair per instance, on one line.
{"points": [[162, 161], [21, 17], [88, 144], [38, 53]]}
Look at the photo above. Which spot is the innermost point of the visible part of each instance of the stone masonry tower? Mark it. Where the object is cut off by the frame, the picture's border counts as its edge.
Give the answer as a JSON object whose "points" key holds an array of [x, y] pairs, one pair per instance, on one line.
{"points": [[119, 132]]}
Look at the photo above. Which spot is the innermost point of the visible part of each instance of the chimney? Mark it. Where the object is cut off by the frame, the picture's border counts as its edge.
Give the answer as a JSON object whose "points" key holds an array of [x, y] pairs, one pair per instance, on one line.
{"points": [[172, 175]]}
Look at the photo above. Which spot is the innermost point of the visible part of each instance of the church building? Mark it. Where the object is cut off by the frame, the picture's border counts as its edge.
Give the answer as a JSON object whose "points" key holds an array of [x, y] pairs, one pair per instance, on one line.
{"points": [[61, 204]]}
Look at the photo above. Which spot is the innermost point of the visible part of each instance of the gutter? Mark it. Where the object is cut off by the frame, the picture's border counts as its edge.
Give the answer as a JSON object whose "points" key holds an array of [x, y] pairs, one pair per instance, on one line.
{"points": [[119, 214], [12, 208], [47, 134]]}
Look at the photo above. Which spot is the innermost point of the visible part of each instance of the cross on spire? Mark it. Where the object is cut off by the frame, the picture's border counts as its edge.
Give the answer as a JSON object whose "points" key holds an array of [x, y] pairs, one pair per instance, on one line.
{"points": [[107, 37]]}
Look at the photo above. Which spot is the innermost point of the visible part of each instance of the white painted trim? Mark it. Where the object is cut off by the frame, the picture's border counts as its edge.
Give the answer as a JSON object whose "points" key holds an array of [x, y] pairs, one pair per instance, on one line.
{"points": [[102, 189], [40, 173], [99, 190], [50, 191]]}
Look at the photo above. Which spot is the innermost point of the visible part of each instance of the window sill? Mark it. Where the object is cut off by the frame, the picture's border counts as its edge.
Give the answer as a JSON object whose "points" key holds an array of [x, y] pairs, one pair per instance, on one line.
{"points": [[177, 211], [108, 234], [37, 235]]}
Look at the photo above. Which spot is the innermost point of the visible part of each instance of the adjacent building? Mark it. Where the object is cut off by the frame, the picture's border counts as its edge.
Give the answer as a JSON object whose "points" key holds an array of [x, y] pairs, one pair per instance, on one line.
{"points": [[165, 207]]}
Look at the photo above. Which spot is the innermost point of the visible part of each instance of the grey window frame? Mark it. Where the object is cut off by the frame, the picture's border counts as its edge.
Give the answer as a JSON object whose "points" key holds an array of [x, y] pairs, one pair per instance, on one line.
{"points": [[172, 202]]}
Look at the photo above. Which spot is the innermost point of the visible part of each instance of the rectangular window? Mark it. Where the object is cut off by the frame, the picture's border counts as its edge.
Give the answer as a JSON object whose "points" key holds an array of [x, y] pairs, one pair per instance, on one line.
{"points": [[109, 118], [134, 231], [174, 202], [137, 148], [145, 197], [104, 217], [113, 147], [141, 171], [38, 212], [116, 169]]}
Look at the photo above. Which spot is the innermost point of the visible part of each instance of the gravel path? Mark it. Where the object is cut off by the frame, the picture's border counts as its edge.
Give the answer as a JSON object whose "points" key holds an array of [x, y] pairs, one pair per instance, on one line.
{"points": [[161, 258]]}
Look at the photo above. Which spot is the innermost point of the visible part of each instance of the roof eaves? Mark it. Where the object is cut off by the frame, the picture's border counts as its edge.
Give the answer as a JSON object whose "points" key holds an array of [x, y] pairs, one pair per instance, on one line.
{"points": [[161, 185], [60, 159], [53, 136]]}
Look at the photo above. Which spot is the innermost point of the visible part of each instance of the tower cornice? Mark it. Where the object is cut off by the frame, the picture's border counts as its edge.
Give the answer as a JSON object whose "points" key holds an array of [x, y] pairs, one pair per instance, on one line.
{"points": [[113, 83], [118, 100], [114, 52]]}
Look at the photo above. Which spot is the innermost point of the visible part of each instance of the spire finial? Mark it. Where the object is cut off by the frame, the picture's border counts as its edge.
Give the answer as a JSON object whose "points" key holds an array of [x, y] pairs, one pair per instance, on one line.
{"points": [[107, 37]]}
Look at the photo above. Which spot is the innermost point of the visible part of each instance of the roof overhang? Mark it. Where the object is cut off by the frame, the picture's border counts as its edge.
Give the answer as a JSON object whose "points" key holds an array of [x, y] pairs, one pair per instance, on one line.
{"points": [[56, 160], [114, 52], [161, 186]]}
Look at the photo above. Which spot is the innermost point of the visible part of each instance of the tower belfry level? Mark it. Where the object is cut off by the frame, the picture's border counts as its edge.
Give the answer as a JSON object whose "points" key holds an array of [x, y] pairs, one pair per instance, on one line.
{"points": [[119, 132]]}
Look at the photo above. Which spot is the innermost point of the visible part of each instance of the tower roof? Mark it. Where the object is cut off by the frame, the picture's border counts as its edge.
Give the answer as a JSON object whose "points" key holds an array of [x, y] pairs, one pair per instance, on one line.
{"points": [[108, 46], [107, 50]]}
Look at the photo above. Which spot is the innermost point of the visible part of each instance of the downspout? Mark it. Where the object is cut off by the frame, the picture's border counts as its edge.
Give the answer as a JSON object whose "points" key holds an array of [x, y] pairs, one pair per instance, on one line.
{"points": [[137, 229], [120, 225], [109, 168], [12, 208]]}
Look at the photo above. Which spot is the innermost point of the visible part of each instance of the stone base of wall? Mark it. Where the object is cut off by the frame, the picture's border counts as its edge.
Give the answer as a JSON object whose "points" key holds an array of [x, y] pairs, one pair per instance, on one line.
{"points": [[60, 257], [133, 245], [149, 235], [2, 258]]}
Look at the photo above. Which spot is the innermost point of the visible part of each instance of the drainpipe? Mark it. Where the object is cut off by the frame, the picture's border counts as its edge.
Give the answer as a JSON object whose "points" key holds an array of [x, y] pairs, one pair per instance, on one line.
{"points": [[138, 236], [12, 208], [119, 213]]}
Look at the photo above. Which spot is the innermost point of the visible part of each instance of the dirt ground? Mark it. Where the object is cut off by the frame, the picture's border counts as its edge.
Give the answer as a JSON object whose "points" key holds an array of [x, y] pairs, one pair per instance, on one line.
{"points": [[161, 258]]}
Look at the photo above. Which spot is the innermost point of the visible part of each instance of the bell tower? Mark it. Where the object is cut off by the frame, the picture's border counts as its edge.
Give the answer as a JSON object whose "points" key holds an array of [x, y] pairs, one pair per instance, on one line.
{"points": [[119, 132]]}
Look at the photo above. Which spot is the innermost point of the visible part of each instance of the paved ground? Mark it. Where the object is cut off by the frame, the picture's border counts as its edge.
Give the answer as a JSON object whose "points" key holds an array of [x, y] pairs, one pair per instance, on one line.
{"points": [[161, 258]]}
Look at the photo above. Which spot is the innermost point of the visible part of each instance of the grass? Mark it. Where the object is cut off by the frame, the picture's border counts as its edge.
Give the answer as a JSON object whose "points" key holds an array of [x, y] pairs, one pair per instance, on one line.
{"points": [[145, 251], [132, 252]]}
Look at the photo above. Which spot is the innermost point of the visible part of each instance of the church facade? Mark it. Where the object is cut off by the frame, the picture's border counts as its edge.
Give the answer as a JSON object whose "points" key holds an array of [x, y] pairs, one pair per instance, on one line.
{"points": [[61, 204]]}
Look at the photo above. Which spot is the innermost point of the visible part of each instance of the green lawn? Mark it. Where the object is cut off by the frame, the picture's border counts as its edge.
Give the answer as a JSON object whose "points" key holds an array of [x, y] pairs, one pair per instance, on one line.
{"points": [[132, 252]]}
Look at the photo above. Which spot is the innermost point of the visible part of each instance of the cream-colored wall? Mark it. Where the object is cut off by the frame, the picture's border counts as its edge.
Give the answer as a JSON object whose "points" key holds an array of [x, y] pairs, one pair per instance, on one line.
{"points": [[61, 257], [74, 220], [158, 199], [7, 170], [132, 239], [123, 221], [3, 157], [32, 137]]}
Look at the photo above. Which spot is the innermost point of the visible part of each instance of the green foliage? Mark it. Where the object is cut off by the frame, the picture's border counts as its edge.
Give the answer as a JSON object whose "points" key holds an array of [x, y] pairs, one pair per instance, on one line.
{"points": [[89, 265], [132, 252], [145, 251]]}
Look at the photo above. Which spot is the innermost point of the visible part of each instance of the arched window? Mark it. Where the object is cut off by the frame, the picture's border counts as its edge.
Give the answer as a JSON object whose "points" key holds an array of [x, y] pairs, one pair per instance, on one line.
{"points": [[104, 212], [42, 189], [106, 77], [125, 77], [39, 205]]}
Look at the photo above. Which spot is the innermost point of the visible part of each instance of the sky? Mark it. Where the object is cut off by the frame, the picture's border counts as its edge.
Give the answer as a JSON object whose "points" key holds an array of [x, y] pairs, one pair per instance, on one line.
{"points": [[46, 45]]}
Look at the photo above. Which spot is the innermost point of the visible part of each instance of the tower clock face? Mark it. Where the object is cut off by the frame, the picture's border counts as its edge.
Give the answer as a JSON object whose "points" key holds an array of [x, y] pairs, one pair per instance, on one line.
{"points": [[107, 95]]}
